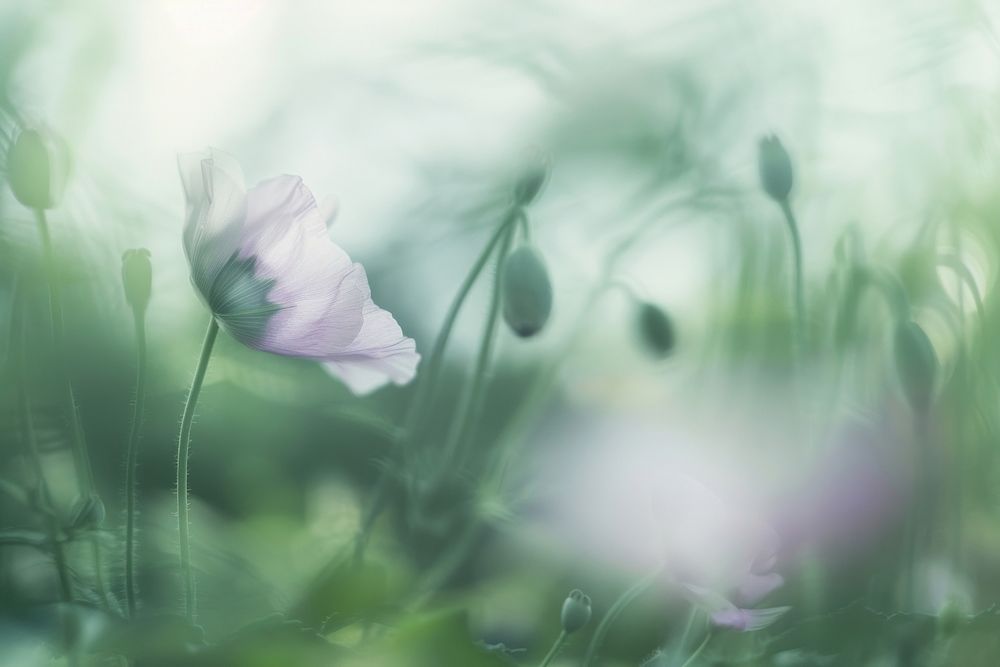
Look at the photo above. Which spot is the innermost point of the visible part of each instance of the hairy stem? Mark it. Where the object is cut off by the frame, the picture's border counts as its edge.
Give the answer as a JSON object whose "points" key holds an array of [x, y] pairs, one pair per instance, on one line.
{"points": [[183, 452], [132, 461]]}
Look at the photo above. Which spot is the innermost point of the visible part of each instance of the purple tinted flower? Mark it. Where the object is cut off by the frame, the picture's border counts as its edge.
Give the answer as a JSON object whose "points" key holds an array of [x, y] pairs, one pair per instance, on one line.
{"points": [[747, 620], [262, 261], [724, 614]]}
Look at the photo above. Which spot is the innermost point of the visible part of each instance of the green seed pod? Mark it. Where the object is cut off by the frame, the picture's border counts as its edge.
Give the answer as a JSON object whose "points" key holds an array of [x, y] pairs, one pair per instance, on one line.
{"points": [[137, 278], [775, 168], [88, 513], [527, 292], [37, 168], [531, 182], [916, 365], [656, 330], [575, 611]]}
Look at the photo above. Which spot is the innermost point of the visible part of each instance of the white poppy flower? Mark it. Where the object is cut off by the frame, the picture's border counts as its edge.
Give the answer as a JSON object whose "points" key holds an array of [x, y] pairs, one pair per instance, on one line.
{"points": [[262, 261]]}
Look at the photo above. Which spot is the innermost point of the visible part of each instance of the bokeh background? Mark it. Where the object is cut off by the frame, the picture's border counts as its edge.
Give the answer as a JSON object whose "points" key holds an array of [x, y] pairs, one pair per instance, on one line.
{"points": [[593, 456]]}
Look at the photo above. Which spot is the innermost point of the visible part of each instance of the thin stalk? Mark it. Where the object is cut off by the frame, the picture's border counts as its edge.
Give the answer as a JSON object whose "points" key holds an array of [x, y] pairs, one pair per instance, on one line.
{"points": [[471, 407], [84, 472], [554, 650], [45, 495], [921, 507], [793, 232], [132, 461], [183, 453], [81, 458], [697, 651], [506, 450], [426, 384], [688, 629], [623, 601], [424, 391]]}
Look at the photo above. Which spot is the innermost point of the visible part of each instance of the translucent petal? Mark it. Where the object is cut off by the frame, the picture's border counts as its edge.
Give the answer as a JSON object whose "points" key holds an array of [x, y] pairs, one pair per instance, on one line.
{"points": [[216, 210]]}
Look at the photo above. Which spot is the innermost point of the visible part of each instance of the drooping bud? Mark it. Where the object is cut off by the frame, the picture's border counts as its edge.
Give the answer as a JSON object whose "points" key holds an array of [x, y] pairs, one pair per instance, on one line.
{"points": [[37, 168], [531, 182], [527, 292], [656, 330], [916, 365], [137, 278], [775, 168], [575, 611], [87, 513]]}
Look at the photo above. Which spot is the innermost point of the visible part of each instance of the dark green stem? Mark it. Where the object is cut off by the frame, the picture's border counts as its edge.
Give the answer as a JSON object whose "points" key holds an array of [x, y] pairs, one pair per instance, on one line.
{"points": [[85, 478], [793, 233], [471, 407], [81, 458], [183, 453], [132, 461], [34, 458], [426, 384]]}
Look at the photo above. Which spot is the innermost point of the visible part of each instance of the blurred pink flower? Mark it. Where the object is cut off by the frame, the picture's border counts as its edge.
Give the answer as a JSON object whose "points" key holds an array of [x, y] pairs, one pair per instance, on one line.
{"points": [[262, 261], [637, 498], [736, 611]]}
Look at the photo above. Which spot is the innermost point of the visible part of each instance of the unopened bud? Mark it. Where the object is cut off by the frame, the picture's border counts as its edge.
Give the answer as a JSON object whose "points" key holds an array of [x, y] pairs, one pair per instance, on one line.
{"points": [[531, 182], [775, 168], [575, 611], [916, 365], [527, 292], [656, 330], [951, 619], [37, 168], [137, 278]]}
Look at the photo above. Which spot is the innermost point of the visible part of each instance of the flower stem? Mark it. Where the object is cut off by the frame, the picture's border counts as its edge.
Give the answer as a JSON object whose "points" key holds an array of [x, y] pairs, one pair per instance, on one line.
{"points": [[554, 650], [183, 452], [623, 601], [697, 651], [793, 232], [81, 458], [132, 460], [470, 408], [426, 384], [34, 457], [85, 479]]}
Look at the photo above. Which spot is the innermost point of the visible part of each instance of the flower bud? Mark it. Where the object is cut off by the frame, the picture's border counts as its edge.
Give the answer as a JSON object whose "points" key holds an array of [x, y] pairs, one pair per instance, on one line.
{"points": [[775, 168], [37, 168], [656, 330], [916, 365], [527, 292], [950, 619], [137, 278], [575, 611], [87, 513], [531, 182]]}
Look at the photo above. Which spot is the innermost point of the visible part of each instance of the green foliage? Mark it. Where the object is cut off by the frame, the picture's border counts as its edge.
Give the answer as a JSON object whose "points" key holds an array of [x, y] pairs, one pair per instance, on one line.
{"points": [[420, 525]]}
